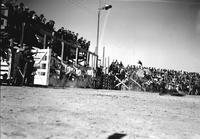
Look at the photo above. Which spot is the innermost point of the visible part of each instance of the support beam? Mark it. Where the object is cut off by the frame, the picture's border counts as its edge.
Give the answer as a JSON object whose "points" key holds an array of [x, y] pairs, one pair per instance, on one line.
{"points": [[44, 41], [105, 65], [77, 53], [62, 50], [108, 63], [88, 57], [96, 65], [92, 61], [22, 35]]}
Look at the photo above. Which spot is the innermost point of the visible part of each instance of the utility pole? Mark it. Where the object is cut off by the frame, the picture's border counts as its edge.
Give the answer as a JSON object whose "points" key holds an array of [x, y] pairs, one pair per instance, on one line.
{"points": [[105, 7]]}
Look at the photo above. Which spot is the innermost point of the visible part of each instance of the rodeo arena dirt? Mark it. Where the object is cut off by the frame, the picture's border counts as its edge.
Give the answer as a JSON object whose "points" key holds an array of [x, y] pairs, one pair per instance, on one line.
{"points": [[52, 87]]}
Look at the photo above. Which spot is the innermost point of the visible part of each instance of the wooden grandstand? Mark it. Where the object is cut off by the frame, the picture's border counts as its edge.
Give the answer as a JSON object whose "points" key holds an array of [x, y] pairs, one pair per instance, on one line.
{"points": [[38, 36]]}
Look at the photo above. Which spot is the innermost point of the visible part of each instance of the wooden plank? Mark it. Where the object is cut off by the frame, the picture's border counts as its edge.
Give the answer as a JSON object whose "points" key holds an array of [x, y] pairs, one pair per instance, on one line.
{"points": [[121, 82]]}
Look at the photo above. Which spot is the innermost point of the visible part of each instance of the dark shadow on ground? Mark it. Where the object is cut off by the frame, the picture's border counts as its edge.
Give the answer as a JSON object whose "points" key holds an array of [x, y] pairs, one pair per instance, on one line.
{"points": [[116, 136]]}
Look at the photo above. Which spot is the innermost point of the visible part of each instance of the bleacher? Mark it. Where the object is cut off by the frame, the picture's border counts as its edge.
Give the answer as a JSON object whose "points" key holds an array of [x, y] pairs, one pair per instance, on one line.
{"points": [[26, 29], [67, 58]]}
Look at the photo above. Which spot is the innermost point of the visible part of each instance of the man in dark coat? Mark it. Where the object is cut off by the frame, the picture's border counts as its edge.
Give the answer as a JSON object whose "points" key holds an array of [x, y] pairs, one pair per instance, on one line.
{"points": [[18, 67], [28, 66]]}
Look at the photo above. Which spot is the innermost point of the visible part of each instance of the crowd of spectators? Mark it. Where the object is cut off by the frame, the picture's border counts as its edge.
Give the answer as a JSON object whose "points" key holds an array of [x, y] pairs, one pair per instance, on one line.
{"points": [[150, 79], [73, 39], [21, 20], [19, 14], [158, 80]]}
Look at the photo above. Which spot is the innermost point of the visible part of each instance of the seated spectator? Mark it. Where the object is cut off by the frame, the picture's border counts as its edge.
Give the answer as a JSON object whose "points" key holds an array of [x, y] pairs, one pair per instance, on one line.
{"points": [[60, 32], [50, 25], [87, 45]]}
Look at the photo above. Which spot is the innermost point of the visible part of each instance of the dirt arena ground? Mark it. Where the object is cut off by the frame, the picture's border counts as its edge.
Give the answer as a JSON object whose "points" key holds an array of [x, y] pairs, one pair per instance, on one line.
{"points": [[47, 113]]}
